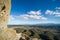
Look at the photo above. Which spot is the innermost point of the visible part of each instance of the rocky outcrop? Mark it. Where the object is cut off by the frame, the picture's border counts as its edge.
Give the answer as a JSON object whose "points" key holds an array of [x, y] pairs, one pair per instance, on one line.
{"points": [[5, 6], [5, 32]]}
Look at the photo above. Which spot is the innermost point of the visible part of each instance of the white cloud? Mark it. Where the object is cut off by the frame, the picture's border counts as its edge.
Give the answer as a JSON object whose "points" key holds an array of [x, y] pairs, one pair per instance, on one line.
{"points": [[49, 12], [13, 20], [44, 18], [25, 16], [34, 15], [11, 17], [57, 8], [55, 13], [35, 12]]}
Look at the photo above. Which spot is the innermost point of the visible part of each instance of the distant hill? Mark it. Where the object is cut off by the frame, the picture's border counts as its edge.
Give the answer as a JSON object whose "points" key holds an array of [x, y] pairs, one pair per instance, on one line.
{"points": [[44, 24]]}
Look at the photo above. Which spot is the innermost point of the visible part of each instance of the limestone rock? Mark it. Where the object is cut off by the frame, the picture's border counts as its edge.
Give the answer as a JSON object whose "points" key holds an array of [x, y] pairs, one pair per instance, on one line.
{"points": [[5, 33], [5, 6]]}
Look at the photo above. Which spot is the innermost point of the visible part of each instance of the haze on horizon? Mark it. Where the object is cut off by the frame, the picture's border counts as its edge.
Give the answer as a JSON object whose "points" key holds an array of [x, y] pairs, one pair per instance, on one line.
{"points": [[35, 11]]}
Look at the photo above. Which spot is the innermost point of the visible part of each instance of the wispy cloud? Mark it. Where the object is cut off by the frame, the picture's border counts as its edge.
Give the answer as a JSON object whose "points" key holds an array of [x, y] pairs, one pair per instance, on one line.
{"points": [[13, 20], [57, 8], [35, 12], [55, 13], [34, 15], [49, 12]]}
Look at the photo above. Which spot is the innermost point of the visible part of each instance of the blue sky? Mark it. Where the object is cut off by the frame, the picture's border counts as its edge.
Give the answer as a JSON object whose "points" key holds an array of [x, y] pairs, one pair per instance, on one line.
{"points": [[34, 11]]}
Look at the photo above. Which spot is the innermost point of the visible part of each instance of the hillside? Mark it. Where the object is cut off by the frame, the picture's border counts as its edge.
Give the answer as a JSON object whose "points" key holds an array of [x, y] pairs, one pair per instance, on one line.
{"points": [[37, 33]]}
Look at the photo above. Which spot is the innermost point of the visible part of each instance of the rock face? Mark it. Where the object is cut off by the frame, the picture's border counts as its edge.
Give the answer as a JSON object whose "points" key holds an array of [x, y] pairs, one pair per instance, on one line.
{"points": [[5, 33], [5, 6]]}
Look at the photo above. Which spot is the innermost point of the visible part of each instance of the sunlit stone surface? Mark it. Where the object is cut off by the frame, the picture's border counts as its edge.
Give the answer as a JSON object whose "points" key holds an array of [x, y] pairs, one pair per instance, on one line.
{"points": [[5, 6], [5, 33]]}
